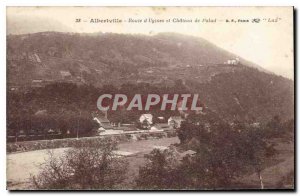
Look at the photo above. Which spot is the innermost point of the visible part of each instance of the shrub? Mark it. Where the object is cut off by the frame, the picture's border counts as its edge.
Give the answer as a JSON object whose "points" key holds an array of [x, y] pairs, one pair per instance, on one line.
{"points": [[89, 165]]}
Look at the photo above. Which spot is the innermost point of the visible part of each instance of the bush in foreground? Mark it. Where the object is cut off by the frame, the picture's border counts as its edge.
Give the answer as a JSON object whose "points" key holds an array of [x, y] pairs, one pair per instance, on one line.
{"points": [[86, 166]]}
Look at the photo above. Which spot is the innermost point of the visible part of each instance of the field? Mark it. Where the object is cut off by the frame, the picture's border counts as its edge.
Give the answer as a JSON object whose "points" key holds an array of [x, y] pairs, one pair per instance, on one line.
{"points": [[20, 166]]}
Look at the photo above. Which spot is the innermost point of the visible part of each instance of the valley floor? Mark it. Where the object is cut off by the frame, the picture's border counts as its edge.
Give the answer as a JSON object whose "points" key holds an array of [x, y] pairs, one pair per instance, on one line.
{"points": [[20, 166]]}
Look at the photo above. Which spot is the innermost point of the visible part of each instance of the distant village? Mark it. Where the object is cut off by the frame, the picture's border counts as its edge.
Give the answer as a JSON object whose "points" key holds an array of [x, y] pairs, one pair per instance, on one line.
{"points": [[146, 125]]}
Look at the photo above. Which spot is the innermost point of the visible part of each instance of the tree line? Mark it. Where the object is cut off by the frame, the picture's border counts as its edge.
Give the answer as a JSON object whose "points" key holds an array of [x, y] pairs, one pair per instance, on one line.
{"points": [[223, 153], [68, 108]]}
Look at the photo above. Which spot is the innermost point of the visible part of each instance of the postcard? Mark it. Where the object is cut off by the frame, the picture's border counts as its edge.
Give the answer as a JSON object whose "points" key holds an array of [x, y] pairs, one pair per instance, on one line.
{"points": [[150, 98]]}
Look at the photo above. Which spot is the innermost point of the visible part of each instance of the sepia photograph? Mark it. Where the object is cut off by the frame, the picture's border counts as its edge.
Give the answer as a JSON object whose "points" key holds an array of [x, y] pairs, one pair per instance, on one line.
{"points": [[150, 98]]}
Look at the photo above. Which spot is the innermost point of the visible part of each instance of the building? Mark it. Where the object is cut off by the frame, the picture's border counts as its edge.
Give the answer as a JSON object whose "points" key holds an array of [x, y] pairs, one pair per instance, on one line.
{"points": [[66, 74], [105, 127], [235, 61], [255, 125], [160, 127], [187, 154], [104, 124], [175, 121], [160, 119], [37, 83], [146, 120], [147, 117]]}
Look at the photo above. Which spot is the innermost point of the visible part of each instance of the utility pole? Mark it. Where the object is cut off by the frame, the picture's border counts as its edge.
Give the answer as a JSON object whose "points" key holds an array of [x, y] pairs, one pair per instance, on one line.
{"points": [[78, 125], [79, 109], [105, 113]]}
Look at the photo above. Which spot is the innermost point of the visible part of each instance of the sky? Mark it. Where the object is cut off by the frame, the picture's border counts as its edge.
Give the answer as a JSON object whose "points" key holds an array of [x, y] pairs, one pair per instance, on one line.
{"points": [[268, 43]]}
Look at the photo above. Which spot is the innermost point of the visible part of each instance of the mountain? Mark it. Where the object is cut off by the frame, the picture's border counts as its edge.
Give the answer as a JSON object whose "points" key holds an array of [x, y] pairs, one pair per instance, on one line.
{"points": [[107, 58], [226, 83]]}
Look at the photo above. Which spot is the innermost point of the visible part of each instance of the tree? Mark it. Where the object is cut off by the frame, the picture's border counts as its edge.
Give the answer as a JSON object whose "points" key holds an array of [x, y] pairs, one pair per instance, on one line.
{"points": [[254, 150], [89, 165], [223, 153], [160, 171]]}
